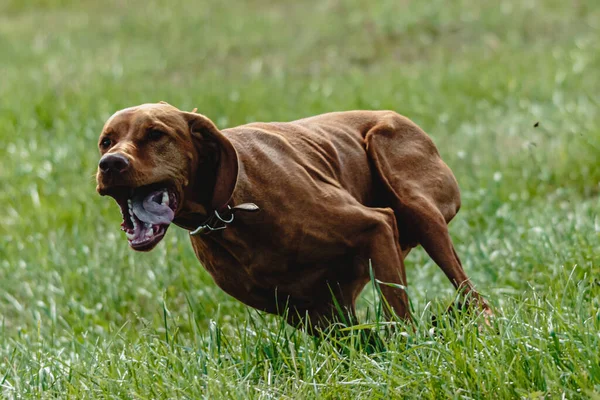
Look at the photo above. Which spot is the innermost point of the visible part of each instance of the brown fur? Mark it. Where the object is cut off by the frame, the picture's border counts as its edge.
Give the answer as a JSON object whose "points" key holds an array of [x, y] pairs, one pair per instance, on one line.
{"points": [[335, 191]]}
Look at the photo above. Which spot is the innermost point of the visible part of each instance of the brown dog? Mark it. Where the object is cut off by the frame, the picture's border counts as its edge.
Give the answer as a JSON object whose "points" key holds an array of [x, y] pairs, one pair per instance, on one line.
{"points": [[334, 191]]}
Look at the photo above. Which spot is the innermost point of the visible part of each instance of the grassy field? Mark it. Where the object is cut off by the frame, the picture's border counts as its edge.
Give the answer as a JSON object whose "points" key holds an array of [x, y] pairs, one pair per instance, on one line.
{"points": [[509, 91]]}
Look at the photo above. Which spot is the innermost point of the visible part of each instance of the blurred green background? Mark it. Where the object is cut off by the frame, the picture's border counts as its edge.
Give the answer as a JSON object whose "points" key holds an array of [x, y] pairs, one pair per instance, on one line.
{"points": [[83, 316]]}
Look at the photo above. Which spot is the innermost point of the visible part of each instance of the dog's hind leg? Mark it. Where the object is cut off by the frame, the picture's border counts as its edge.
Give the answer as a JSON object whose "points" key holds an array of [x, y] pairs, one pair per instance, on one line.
{"points": [[423, 191], [382, 247]]}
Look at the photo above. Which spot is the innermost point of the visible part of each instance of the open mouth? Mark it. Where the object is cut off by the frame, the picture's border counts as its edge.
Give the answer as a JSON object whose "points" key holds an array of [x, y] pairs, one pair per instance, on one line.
{"points": [[147, 213]]}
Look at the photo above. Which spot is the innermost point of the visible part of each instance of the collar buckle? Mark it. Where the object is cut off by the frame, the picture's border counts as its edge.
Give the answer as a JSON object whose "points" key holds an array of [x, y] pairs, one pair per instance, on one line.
{"points": [[218, 222]]}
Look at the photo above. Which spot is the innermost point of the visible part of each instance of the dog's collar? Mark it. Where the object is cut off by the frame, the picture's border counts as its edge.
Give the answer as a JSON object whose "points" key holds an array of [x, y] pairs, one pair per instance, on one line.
{"points": [[221, 218]]}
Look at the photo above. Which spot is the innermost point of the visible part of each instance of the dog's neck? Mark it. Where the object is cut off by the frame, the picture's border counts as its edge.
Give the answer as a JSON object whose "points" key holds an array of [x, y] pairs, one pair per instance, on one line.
{"points": [[198, 194], [200, 213]]}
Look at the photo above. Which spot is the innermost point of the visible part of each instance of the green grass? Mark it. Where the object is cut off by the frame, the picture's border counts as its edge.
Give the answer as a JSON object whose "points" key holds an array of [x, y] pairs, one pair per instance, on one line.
{"points": [[83, 316]]}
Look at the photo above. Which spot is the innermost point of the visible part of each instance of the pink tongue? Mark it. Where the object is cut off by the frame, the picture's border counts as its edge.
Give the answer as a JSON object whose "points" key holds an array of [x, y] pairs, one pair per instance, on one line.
{"points": [[150, 209]]}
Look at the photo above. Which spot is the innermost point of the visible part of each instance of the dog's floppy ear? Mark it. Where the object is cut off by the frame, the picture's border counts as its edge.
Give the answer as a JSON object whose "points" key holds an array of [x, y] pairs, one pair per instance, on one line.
{"points": [[206, 136]]}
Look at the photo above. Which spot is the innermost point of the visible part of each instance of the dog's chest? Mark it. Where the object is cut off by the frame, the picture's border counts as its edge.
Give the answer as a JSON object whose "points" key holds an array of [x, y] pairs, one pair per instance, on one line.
{"points": [[252, 266]]}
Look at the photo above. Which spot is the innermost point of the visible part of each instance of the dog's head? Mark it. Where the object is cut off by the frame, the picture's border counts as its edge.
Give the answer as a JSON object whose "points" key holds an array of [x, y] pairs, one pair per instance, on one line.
{"points": [[158, 162]]}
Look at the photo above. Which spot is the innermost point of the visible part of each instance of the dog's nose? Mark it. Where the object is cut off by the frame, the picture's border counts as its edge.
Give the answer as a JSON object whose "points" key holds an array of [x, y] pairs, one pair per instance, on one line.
{"points": [[116, 163]]}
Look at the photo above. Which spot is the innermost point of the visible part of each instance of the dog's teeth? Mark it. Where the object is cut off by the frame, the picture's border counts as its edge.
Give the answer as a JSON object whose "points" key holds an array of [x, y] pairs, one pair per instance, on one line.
{"points": [[165, 198], [130, 236], [149, 231]]}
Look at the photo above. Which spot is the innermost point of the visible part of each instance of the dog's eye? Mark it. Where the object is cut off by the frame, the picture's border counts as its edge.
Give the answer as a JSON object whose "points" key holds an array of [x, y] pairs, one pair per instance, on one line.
{"points": [[155, 134], [105, 143]]}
